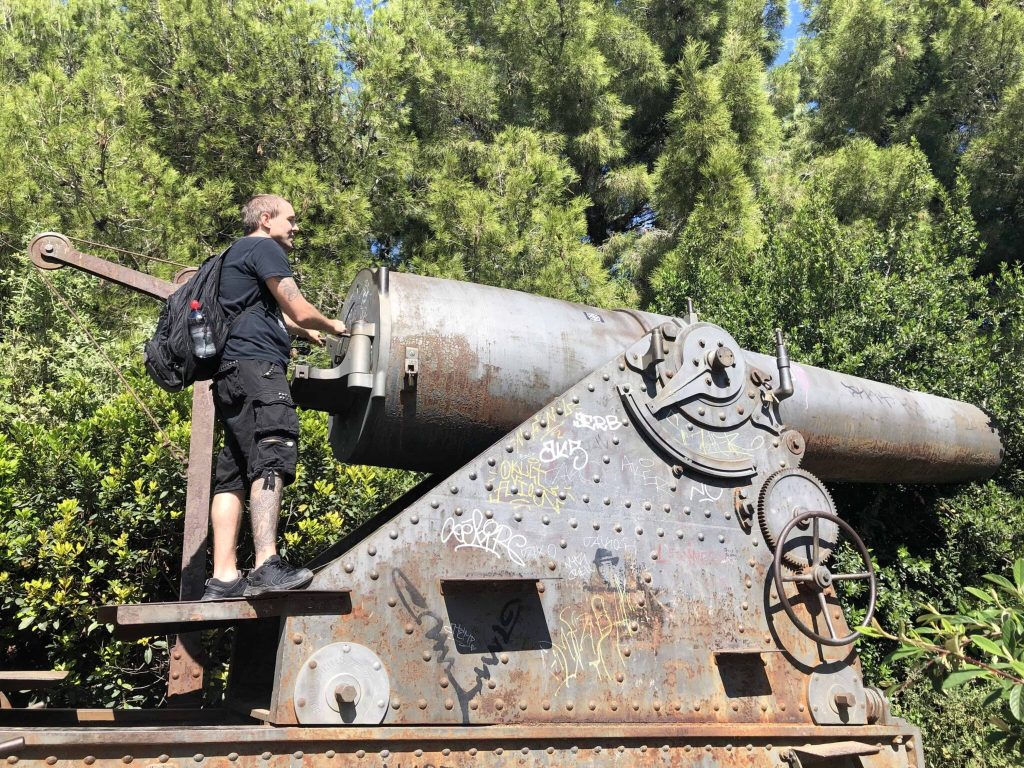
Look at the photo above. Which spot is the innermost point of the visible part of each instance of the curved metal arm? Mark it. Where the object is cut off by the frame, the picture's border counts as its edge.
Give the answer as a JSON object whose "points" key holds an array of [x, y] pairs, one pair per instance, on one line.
{"points": [[52, 250]]}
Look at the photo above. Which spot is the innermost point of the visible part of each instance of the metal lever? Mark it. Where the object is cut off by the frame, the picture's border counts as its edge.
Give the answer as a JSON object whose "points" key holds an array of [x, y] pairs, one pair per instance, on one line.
{"points": [[782, 360]]}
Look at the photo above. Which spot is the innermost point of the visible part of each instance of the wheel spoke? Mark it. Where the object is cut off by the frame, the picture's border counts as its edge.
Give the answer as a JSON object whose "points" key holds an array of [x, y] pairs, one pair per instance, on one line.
{"points": [[799, 577], [816, 544], [850, 576], [828, 618]]}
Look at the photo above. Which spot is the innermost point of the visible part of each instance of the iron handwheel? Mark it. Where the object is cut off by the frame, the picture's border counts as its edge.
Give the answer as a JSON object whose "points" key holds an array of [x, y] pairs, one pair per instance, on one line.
{"points": [[817, 577]]}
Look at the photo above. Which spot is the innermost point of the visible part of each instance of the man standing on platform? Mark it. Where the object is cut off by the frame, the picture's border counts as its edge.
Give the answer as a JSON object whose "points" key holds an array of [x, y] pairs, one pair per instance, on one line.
{"points": [[253, 401]]}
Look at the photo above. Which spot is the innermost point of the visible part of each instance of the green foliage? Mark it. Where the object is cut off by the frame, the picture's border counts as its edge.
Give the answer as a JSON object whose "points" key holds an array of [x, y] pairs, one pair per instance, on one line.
{"points": [[982, 644], [866, 197]]}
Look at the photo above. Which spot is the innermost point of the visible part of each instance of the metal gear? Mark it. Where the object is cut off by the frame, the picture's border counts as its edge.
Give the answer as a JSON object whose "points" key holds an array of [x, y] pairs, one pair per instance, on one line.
{"points": [[786, 494]]}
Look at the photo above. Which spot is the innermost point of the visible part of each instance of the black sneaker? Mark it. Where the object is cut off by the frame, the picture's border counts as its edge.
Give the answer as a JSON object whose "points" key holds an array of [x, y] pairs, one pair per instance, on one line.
{"points": [[224, 590], [276, 575]]}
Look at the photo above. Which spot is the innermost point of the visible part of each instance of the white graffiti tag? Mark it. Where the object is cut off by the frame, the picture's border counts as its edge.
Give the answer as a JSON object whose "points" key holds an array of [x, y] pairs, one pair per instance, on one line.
{"points": [[489, 535], [607, 423], [553, 450]]}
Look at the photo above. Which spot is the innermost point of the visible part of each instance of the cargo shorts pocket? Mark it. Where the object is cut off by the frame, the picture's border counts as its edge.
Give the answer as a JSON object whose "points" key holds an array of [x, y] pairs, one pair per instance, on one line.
{"points": [[275, 442]]}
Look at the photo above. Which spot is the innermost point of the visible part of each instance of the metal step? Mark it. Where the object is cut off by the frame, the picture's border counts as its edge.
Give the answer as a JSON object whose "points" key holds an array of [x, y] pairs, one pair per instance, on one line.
{"points": [[132, 622]]}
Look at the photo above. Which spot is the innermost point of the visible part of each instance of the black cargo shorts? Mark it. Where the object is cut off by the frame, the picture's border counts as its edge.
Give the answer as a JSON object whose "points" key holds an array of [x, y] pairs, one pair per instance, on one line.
{"points": [[261, 429]]}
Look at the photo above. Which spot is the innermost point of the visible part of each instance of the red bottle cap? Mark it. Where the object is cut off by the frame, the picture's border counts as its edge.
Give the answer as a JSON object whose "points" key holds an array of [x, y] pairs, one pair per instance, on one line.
{"points": [[196, 304]]}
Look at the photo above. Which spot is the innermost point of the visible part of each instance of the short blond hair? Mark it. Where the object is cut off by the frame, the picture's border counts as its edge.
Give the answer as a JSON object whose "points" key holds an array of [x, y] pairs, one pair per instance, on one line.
{"points": [[254, 209]]}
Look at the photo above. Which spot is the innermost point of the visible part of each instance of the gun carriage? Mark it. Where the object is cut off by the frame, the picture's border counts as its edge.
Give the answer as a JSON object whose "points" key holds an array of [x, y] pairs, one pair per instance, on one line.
{"points": [[624, 554]]}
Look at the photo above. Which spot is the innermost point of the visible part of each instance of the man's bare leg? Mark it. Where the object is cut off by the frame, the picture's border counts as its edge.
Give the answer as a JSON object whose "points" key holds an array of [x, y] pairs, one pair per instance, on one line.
{"points": [[264, 509], [226, 518]]}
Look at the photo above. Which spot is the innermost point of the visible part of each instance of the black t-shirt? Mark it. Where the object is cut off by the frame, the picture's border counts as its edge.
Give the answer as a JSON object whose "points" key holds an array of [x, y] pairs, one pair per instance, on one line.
{"points": [[258, 333]]}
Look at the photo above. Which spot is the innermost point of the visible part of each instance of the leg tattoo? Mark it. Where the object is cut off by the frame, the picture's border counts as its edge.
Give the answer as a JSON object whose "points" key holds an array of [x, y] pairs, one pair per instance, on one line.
{"points": [[264, 509]]}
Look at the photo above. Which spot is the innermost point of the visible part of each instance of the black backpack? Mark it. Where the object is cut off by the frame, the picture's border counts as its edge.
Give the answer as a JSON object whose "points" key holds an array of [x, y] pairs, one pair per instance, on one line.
{"points": [[168, 354]]}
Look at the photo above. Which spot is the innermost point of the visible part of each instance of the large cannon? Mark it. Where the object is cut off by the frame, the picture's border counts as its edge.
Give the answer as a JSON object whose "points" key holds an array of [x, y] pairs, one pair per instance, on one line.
{"points": [[624, 554]]}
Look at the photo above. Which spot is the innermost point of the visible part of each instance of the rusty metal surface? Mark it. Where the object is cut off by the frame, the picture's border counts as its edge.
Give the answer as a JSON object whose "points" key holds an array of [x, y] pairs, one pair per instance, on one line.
{"points": [[863, 431], [488, 358], [570, 574], [706, 746], [185, 678], [51, 250], [149, 619]]}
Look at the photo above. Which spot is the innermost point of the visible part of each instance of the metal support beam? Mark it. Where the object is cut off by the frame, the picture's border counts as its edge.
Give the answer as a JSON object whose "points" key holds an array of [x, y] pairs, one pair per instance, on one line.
{"points": [[185, 682]]}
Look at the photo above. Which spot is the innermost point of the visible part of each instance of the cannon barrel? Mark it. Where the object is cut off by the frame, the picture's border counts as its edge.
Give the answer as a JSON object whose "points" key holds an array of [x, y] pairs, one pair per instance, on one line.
{"points": [[437, 370]]}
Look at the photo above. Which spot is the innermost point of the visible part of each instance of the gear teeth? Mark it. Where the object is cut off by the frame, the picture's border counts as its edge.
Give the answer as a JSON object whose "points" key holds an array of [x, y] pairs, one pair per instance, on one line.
{"points": [[766, 525]]}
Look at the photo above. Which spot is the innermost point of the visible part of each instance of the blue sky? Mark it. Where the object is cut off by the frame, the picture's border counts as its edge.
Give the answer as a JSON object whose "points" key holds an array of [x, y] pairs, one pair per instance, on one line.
{"points": [[792, 30]]}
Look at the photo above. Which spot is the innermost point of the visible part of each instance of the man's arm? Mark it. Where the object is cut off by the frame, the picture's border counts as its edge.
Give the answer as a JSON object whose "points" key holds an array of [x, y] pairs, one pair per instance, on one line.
{"points": [[300, 311]]}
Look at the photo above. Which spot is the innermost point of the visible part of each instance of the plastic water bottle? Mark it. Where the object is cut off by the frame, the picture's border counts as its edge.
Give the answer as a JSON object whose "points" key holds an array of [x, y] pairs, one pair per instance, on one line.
{"points": [[199, 329]]}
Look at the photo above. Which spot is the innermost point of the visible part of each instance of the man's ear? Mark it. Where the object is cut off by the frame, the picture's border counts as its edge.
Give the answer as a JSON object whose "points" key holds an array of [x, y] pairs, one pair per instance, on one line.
{"points": [[265, 218]]}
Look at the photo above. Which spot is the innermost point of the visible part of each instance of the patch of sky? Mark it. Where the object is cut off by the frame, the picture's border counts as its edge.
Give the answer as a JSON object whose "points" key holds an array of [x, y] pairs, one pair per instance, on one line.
{"points": [[797, 16]]}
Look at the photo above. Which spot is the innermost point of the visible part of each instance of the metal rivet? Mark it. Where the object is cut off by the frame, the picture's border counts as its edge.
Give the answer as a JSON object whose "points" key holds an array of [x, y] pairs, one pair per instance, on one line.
{"points": [[448, 704], [297, 638], [518, 517], [489, 486], [385, 753], [418, 753], [426, 655], [606, 459], [551, 565], [472, 475], [51, 760], [233, 756], [349, 567], [679, 533], [527, 435], [563, 543], [575, 399], [509, 448], [569, 706], [409, 628], [586, 499], [573, 522], [546, 520], [414, 519], [721, 539], [491, 461], [472, 751], [627, 504], [596, 525], [393, 534], [654, 555], [488, 514], [522, 705], [545, 705], [514, 490], [434, 505], [639, 531], [297, 755], [422, 703], [374, 575], [371, 550], [615, 441], [392, 602], [267, 755], [700, 537]]}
